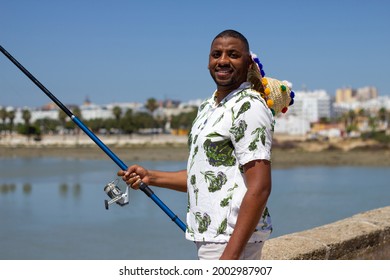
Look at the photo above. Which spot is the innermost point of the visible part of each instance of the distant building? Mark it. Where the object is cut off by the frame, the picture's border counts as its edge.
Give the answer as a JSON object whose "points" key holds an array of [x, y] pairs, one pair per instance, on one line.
{"points": [[291, 125], [311, 105], [350, 95]]}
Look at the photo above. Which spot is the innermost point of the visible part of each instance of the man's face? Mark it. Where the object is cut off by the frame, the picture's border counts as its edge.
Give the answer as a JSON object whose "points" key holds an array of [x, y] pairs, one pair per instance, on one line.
{"points": [[228, 63]]}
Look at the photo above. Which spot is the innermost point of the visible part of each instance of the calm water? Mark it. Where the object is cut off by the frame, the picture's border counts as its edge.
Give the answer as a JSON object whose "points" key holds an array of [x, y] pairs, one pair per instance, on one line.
{"points": [[52, 208]]}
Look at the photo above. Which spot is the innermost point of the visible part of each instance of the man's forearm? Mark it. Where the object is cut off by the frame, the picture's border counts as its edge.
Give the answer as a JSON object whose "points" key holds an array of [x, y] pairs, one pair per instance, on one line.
{"points": [[170, 180]]}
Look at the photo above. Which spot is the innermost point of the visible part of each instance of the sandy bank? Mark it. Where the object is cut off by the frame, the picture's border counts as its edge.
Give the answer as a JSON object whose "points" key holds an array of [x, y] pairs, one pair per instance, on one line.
{"points": [[174, 148], [281, 158]]}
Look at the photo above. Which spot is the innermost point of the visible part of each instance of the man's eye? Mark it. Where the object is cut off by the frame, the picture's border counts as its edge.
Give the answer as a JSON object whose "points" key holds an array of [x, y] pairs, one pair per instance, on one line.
{"points": [[234, 55], [215, 54]]}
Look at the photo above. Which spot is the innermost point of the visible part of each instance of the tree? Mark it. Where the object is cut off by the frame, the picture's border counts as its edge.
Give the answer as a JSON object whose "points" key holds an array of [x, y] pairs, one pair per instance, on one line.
{"points": [[26, 116], [11, 117], [3, 117], [184, 120], [62, 118], [127, 123], [383, 116], [151, 105], [117, 111]]}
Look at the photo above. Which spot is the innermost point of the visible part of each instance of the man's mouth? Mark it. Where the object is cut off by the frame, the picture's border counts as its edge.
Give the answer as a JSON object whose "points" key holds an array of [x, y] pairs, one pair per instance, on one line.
{"points": [[223, 72]]}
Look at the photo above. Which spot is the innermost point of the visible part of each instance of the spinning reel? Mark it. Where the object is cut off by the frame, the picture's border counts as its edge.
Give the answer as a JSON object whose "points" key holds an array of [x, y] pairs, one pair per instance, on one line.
{"points": [[116, 194]]}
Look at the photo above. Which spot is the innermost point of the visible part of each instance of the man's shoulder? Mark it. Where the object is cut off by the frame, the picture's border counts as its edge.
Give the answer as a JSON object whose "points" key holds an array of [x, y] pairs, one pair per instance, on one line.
{"points": [[248, 95]]}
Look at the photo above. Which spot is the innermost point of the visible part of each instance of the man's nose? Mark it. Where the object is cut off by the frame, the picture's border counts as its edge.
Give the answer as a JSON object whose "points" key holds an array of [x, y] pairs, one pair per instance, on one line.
{"points": [[223, 59]]}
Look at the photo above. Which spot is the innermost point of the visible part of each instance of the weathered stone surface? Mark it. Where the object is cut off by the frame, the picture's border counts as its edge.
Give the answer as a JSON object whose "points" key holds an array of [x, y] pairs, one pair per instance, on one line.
{"points": [[363, 236]]}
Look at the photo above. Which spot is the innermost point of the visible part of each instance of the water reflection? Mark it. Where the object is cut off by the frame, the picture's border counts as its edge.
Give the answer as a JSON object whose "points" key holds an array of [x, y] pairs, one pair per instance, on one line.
{"points": [[6, 188], [27, 188], [64, 189]]}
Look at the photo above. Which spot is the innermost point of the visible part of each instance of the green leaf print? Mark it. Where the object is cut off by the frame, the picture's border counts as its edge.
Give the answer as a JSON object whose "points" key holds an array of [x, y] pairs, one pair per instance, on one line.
{"points": [[214, 134], [203, 221], [189, 141], [215, 182], [190, 231], [225, 201], [203, 105], [244, 107], [196, 190], [265, 218], [193, 156], [238, 131], [219, 119], [245, 94], [188, 202], [219, 152], [259, 135], [222, 227]]}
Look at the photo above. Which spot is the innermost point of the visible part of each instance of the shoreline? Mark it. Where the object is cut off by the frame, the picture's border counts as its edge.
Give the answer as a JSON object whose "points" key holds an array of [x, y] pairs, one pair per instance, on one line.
{"points": [[281, 158], [286, 152]]}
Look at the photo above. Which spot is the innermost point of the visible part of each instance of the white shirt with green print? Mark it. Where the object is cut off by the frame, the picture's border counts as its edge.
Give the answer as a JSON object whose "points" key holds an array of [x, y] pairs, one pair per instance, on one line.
{"points": [[223, 138]]}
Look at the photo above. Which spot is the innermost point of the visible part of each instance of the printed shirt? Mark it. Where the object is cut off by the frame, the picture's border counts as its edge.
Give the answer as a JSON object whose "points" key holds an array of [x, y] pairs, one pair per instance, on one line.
{"points": [[223, 138]]}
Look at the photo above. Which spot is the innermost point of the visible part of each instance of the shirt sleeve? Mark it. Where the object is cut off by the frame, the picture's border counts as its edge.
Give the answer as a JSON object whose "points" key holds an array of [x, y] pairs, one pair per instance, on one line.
{"points": [[251, 131]]}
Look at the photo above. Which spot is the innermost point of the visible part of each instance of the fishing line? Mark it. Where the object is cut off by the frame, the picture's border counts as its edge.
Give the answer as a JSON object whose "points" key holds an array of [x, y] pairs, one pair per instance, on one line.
{"points": [[111, 191]]}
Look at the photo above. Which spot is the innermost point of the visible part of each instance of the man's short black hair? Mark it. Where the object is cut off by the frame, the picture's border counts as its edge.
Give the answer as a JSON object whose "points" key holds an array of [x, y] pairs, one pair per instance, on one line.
{"points": [[234, 34]]}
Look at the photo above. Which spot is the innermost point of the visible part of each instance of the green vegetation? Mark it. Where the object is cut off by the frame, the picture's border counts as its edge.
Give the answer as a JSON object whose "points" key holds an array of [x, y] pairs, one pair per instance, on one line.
{"points": [[121, 123]]}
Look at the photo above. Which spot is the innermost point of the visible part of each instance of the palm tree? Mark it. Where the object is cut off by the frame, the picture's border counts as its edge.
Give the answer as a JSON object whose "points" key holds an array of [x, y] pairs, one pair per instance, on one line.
{"points": [[3, 117], [117, 111], [383, 116], [26, 116], [62, 118], [11, 117], [151, 105]]}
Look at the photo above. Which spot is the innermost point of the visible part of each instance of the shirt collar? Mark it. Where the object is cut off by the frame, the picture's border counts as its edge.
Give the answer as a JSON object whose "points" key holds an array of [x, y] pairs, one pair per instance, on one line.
{"points": [[244, 85]]}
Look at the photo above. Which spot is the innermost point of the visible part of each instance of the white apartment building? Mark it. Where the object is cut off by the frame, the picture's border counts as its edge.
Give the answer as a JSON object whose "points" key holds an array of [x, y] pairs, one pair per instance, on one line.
{"points": [[291, 125], [308, 107], [311, 105]]}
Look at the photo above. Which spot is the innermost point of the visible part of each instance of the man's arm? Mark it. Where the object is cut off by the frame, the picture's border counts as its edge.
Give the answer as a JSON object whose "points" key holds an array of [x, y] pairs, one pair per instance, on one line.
{"points": [[258, 182], [170, 180]]}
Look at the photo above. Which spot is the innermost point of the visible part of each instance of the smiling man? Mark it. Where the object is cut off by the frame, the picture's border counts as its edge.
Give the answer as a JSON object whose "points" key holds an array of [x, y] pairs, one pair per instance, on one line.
{"points": [[229, 61], [228, 175]]}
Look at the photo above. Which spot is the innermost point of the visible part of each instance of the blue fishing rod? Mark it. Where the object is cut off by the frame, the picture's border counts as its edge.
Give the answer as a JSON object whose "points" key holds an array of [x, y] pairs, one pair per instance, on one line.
{"points": [[113, 191]]}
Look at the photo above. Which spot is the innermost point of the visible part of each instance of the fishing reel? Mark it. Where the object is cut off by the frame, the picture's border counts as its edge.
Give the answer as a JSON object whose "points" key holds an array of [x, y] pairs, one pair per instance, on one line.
{"points": [[116, 194]]}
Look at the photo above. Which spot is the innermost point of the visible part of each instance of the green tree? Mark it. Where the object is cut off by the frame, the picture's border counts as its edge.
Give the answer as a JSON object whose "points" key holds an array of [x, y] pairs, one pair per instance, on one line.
{"points": [[127, 123], [184, 120], [383, 116], [117, 111], [3, 117], [62, 118], [26, 116], [143, 120], [11, 117], [151, 105]]}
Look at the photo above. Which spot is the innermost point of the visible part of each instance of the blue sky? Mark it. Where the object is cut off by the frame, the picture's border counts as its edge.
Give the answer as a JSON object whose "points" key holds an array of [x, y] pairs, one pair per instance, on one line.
{"points": [[128, 51]]}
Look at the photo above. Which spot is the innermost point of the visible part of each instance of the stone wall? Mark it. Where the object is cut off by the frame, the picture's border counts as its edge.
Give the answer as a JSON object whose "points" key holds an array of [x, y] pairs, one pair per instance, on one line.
{"points": [[363, 236]]}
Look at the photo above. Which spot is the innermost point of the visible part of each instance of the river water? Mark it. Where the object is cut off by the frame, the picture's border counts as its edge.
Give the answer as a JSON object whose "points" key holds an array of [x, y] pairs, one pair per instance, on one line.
{"points": [[53, 208]]}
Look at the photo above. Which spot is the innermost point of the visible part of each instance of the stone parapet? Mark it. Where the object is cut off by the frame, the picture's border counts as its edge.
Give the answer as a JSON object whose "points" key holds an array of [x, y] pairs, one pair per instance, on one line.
{"points": [[362, 236]]}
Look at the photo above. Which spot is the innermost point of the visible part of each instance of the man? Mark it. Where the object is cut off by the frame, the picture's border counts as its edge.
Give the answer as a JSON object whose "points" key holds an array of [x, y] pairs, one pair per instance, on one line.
{"points": [[228, 176]]}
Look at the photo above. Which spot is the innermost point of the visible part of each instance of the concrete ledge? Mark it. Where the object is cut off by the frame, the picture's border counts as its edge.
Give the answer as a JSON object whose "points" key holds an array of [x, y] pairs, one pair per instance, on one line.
{"points": [[362, 236]]}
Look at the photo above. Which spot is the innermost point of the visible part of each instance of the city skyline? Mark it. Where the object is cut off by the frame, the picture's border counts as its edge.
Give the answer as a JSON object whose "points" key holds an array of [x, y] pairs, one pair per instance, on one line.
{"points": [[131, 51]]}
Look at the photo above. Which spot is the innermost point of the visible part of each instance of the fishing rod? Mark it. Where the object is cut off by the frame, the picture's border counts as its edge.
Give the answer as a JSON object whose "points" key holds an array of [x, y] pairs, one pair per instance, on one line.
{"points": [[111, 189]]}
